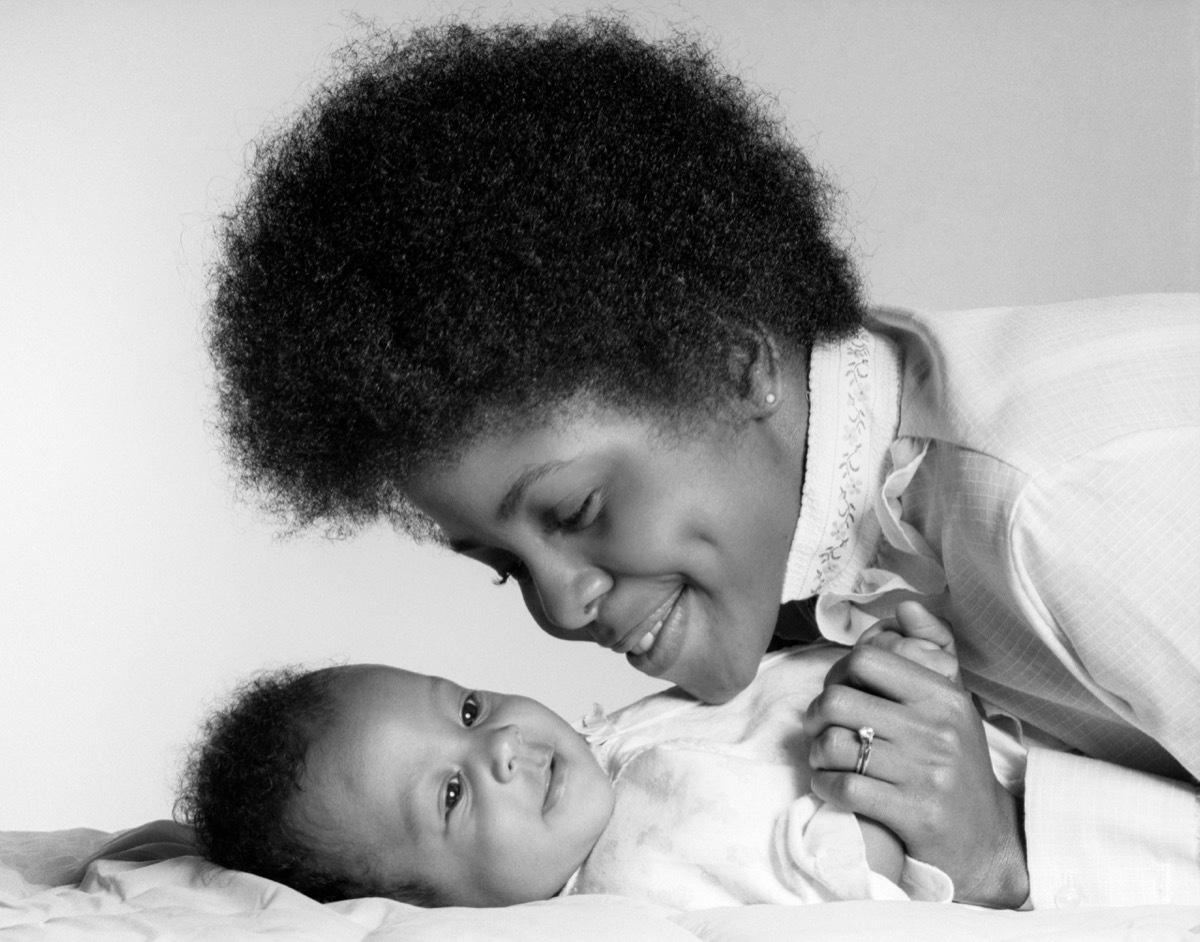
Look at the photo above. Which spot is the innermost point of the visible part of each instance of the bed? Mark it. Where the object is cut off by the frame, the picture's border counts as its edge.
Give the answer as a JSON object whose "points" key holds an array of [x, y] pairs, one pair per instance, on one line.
{"points": [[150, 887]]}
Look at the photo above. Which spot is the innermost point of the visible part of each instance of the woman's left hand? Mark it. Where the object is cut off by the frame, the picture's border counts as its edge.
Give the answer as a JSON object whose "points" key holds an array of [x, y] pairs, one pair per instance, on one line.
{"points": [[929, 776]]}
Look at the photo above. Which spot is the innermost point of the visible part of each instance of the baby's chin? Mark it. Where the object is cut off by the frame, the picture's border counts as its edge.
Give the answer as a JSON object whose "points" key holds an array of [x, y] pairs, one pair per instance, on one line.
{"points": [[566, 880], [537, 887], [516, 896]]}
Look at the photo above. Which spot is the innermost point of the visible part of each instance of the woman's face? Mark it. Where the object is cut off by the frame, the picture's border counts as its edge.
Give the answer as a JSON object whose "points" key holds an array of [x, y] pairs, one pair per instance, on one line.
{"points": [[669, 550]]}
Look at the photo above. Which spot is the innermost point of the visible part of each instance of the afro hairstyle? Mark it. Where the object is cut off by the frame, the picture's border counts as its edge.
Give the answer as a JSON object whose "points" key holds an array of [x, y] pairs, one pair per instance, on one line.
{"points": [[469, 227]]}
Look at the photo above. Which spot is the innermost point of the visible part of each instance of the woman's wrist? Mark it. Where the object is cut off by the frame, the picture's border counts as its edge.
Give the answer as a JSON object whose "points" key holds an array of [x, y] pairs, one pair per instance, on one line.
{"points": [[1003, 881]]}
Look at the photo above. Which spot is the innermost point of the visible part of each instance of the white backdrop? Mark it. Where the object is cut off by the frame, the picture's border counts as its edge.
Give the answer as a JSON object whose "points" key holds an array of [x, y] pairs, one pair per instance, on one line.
{"points": [[1001, 152]]}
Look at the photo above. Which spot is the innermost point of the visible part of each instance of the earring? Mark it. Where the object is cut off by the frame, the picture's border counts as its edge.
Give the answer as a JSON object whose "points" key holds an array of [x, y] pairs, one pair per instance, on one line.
{"points": [[770, 399]]}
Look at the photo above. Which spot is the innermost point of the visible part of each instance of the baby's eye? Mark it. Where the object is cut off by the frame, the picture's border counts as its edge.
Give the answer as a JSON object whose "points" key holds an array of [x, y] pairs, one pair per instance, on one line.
{"points": [[470, 710], [453, 793], [583, 516]]}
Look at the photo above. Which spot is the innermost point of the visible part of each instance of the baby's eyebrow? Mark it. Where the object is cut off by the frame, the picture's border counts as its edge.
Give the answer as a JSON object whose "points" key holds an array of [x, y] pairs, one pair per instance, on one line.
{"points": [[442, 693], [527, 478], [445, 694]]}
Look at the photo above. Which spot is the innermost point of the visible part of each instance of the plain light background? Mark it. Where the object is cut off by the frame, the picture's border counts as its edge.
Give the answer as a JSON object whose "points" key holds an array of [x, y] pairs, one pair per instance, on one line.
{"points": [[989, 153]]}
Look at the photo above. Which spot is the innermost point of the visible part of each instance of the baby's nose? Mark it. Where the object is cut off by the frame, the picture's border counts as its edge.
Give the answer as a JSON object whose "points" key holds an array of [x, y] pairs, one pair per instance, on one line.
{"points": [[510, 754], [503, 749]]}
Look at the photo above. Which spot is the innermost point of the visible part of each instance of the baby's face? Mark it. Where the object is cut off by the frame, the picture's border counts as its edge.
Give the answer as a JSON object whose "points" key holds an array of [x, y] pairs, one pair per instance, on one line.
{"points": [[490, 799]]}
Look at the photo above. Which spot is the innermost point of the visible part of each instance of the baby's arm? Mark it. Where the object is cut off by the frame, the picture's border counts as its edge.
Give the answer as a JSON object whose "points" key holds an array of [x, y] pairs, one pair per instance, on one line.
{"points": [[885, 853], [919, 636]]}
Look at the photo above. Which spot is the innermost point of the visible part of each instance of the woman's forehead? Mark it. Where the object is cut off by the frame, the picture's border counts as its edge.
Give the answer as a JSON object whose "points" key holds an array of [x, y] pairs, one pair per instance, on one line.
{"points": [[568, 426], [514, 457]]}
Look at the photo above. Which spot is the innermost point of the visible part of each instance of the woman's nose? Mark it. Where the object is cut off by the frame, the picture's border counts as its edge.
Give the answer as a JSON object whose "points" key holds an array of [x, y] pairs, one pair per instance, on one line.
{"points": [[569, 599]]}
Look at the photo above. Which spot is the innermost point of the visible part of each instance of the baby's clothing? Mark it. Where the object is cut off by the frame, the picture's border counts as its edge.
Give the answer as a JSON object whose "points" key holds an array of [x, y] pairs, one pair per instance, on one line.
{"points": [[713, 806]]}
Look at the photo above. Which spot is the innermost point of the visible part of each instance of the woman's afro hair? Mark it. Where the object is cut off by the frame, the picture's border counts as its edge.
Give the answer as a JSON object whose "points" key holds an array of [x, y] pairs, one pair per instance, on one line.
{"points": [[469, 227], [241, 780]]}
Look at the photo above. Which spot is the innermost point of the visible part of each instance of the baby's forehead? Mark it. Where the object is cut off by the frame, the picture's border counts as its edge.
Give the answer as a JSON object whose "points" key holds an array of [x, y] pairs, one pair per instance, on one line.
{"points": [[380, 674], [364, 773], [379, 711], [362, 690]]}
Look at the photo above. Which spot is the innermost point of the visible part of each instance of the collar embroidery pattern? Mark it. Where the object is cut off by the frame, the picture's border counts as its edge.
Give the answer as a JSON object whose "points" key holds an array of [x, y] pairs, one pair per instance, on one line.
{"points": [[854, 414], [850, 466]]}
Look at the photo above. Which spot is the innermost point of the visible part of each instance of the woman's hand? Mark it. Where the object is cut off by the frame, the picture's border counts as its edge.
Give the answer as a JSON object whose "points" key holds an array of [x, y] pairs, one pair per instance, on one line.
{"points": [[929, 776]]}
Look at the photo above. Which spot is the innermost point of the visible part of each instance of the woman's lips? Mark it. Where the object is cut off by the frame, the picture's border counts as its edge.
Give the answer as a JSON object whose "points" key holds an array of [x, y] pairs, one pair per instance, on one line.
{"points": [[656, 651], [646, 641]]}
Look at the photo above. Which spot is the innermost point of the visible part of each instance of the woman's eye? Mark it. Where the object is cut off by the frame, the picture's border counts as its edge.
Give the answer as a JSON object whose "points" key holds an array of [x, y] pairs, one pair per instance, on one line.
{"points": [[453, 793], [584, 516], [516, 571], [470, 710]]}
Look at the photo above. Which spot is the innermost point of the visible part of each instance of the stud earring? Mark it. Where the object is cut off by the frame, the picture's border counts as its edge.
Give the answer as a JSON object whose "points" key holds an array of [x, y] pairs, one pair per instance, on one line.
{"points": [[770, 399]]}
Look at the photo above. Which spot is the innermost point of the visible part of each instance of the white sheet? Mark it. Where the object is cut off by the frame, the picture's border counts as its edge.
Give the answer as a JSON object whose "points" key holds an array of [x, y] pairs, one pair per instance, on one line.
{"points": [[185, 898]]}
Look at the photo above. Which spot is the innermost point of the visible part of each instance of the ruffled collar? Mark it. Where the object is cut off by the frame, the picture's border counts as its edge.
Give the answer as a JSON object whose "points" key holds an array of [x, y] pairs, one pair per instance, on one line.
{"points": [[853, 418]]}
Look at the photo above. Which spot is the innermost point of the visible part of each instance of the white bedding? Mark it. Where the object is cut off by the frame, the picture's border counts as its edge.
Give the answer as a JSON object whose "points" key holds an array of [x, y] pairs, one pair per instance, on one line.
{"points": [[183, 897]]}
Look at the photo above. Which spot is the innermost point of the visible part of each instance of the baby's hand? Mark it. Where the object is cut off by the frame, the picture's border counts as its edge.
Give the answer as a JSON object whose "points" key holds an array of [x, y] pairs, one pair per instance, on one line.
{"points": [[918, 635]]}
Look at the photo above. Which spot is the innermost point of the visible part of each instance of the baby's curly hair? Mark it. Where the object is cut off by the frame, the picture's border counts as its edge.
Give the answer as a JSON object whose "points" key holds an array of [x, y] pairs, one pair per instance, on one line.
{"points": [[242, 776], [470, 227]]}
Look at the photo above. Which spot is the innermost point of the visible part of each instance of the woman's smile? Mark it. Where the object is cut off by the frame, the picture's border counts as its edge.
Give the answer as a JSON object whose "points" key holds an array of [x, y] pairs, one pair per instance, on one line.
{"points": [[639, 639], [658, 648]]}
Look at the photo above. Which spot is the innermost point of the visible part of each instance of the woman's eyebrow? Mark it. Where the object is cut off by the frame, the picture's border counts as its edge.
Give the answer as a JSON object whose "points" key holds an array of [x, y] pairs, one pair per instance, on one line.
{"points": [[529, 477]]}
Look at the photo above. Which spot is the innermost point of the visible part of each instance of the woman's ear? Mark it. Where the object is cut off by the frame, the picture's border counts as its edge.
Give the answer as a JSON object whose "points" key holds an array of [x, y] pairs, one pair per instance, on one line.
{"points": [[762, 381]]}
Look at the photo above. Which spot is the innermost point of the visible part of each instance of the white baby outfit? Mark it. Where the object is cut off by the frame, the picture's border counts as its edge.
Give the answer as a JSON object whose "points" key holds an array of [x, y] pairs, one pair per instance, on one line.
{"points": [[713, 807]]}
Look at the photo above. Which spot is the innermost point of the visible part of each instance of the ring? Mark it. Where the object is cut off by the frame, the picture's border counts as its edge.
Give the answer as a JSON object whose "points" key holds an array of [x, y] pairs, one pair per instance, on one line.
{"points": [[866, 736]]}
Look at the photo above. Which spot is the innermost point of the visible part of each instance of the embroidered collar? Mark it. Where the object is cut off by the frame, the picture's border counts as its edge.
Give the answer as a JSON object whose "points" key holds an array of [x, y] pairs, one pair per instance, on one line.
{"points": [[853, 417]]}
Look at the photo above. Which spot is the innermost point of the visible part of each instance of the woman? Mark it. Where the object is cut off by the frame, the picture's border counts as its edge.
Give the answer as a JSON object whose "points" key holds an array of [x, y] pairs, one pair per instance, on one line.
{"points": [[569, 301]]}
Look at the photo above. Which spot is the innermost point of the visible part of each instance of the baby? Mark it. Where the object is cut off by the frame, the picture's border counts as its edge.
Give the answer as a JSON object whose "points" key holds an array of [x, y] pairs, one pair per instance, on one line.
{"points": [[368, 780]]}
